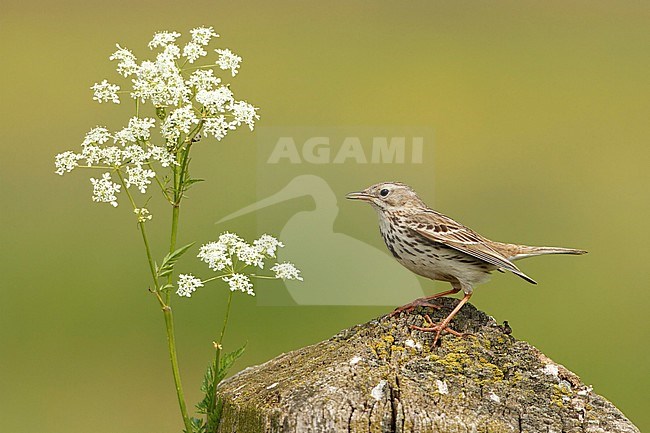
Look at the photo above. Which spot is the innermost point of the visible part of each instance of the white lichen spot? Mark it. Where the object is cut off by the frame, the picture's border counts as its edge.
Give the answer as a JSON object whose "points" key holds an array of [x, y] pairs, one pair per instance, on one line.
{"points": [[442, 387], [566, 389], [586, 390], [273, 385], [412, 344], [551, 370], [378, 391], [494, 397], [355, 360]]}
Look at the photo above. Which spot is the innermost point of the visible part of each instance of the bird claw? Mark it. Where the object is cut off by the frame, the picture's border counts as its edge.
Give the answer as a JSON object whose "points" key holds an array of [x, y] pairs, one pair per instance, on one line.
{"points": [[413, 305], [439, 328]]}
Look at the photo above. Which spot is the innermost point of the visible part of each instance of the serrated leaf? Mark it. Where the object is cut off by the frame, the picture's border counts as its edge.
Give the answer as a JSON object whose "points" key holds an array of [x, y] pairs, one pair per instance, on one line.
{"points": [[189, 182], [167, 265], [226, 361], [166, 287], [214, 374]]}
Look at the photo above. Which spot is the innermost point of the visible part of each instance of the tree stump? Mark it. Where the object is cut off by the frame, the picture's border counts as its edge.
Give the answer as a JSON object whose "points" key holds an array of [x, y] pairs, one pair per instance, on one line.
{"points": [[384, 377]]}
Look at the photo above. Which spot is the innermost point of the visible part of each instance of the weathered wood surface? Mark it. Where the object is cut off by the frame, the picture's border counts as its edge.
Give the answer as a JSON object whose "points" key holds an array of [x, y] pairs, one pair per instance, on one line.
{"points": [[383, 377]]}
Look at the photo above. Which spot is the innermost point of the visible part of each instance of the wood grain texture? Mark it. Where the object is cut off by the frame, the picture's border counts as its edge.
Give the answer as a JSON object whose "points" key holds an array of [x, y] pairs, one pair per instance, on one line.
{"points": [[369, 378]]}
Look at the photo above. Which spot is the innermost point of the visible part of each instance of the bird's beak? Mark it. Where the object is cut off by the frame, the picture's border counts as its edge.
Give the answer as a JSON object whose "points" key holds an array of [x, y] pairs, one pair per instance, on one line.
{"points": [[361, 195]]}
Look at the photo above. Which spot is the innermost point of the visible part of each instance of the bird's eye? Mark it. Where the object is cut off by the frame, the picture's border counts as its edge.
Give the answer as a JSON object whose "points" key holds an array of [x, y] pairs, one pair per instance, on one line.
{"points": [[384, 192]]}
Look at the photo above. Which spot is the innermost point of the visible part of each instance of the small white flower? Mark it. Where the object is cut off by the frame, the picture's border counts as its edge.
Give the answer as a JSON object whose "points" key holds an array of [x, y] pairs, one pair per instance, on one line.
{"points": [[92, 154], [161, 82], [216, 255], [105, 91], [202, 35], [134, 154], [230, 240], [203, 80], [138, 129], [97, 135], [141, 127], [286, 271], [192, 51], [163, 38], [127, 64], [139, 177], [215, 101], [217, 127], [240, 282], [66, 162], [124, 136], [104, 190], [442, 387], [228, 60], [244, 113], [111, 155], [169, 54], [179, 121], [268, 244], [187, 284], [250, 255], [143, 214], [495, 398], [162, 155]]}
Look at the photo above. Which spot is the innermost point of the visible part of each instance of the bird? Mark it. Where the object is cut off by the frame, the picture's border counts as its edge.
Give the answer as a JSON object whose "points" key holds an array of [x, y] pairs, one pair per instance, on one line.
{"points": [[437, 247]]}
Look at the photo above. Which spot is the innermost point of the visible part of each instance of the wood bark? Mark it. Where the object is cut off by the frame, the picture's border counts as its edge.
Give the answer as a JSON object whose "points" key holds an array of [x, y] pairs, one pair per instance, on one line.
{"points": [[382, 376]]}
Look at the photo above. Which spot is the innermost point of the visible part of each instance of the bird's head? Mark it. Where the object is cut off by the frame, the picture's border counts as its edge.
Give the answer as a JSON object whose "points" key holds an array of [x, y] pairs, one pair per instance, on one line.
{"points": [[389, 196]]}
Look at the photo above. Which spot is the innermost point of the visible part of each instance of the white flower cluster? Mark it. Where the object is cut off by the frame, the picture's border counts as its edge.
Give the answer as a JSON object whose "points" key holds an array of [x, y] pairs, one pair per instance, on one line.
{"points": [[232, 254], [186, 101], [286, 271], [187, 284], [104, 91], [127, 149], [165, 84]]}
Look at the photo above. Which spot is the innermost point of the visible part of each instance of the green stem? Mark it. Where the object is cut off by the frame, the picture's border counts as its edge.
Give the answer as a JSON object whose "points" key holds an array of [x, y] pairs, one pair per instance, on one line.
{"points": [[152, 266], [217, 356], [185, 160], [166, 309], [172, 242], [225, 319], [218, 277], [171, 344]]}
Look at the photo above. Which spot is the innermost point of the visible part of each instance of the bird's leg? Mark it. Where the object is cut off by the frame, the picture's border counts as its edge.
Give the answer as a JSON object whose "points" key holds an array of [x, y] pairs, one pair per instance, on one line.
{"points": [[424, 302], [443, 326], [429, 325]]}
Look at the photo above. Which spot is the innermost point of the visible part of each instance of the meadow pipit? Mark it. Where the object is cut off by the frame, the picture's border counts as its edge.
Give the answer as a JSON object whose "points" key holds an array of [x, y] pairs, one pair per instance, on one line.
{"points": [[437, 247]]}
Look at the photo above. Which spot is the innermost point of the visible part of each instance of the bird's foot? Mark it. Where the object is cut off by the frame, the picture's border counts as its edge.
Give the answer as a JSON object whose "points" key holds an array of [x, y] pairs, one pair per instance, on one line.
{"points": [[439, 328], [422, 302]]}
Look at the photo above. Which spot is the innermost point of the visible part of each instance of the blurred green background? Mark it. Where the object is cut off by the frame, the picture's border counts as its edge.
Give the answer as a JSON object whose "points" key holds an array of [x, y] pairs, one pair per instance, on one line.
{"points": [[540, 111]]}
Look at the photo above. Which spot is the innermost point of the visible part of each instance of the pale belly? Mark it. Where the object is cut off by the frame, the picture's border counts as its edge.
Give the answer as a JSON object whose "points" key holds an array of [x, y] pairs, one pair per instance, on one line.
{"points": [[436, 261]]}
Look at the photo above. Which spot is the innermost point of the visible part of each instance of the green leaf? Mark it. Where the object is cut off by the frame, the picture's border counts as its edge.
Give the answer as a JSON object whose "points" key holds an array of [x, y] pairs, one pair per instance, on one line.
{"points": [[166, 287], [226, 362], [214, 374], [190, 182], [198, 425], [167, 265]]}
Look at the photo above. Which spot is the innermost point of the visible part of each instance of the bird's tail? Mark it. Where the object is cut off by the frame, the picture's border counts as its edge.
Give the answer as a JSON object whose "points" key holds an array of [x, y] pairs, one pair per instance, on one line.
{"points": [[516, 252]]}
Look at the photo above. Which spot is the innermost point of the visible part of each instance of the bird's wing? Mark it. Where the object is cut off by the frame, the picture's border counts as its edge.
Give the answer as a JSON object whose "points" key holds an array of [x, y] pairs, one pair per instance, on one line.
{"points": [[442, 229]]}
